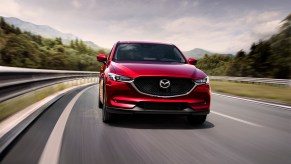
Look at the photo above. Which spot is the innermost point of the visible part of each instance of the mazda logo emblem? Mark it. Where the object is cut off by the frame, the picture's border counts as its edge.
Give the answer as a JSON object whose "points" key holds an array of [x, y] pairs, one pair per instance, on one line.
{"points": [[164, 83]]}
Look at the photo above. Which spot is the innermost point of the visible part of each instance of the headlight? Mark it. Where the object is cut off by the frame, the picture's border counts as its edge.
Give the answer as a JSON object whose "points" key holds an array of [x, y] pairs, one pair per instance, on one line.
{"points": [[204, 80], [116, 77]]}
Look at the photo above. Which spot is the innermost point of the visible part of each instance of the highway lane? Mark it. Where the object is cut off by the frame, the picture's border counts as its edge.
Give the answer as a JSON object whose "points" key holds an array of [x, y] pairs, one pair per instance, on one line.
{"points": [[236, 132]]}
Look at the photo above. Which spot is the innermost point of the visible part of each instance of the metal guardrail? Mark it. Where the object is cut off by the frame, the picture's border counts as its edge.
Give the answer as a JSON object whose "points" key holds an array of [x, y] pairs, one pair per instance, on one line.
{"points": [[286, 82], [17, 81]]}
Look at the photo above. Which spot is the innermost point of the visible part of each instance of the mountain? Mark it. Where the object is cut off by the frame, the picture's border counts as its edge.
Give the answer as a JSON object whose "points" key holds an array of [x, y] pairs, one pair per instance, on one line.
{"points": [[45, 31], [93, 45], [197, 53]]}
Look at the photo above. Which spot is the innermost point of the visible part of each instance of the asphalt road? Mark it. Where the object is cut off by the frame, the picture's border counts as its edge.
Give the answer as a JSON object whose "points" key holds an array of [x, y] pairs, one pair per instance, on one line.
{"points": [[235, 132]]}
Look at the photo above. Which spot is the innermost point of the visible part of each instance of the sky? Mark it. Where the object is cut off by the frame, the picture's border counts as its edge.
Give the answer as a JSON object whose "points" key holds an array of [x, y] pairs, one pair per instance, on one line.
{"points": [[222, 26]]}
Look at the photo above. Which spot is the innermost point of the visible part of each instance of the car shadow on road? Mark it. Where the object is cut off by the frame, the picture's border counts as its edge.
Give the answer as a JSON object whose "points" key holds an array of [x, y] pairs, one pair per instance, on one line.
{"points": [[156, 122]]}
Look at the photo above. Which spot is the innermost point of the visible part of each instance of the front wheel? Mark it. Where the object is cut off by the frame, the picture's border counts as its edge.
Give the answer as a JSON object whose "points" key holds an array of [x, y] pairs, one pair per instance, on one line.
{"points": [[106, 116], [197, 120], [100, 105]]}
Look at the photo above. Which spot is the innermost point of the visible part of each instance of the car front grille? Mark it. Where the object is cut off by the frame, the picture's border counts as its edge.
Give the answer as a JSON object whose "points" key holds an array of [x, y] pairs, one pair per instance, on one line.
{"points": [[151, 86]]}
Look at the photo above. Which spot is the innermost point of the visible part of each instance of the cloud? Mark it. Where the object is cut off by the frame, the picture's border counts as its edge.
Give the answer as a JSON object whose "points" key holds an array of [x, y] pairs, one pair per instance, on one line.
{"points": [[265, 25], [187, 25], [224, 26], [9, 7], [228, 35], [76, 4]]}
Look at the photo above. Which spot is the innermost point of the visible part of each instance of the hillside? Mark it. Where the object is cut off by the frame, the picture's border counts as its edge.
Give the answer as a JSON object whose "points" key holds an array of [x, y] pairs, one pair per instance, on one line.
{"points": [[197, 53], [45, 31], [23, 49]]}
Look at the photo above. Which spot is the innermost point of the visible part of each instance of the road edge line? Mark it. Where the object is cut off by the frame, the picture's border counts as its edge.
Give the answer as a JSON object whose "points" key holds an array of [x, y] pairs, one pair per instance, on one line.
{"points": [[285, 107], [237, 119], [51, 151]]}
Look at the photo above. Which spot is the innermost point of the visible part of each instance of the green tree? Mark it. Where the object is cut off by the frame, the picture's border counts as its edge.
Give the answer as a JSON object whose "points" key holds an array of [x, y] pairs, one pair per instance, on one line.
{"points": [[237, 66], [20, 52], [281, 50], [214, 65], [59, 41]]}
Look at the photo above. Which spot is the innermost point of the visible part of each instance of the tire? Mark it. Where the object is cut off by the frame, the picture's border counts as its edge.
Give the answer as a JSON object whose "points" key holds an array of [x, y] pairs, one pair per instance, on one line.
{"points": [[197, 120], [106, 116], [100, 105]]}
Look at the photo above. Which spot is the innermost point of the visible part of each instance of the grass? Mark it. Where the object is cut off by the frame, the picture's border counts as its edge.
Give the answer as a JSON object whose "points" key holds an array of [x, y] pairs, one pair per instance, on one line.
{"points": [[280, 94], [11, 106]]}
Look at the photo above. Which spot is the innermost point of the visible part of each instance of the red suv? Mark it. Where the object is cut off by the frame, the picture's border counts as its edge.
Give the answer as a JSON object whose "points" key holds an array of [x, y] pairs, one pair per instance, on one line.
{"points": [[152, 78]]}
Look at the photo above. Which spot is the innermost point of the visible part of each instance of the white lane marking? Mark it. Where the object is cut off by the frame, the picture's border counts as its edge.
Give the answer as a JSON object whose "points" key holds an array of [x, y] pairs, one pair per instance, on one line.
{"points": [[51, 152], [255, 101], [237, 119]]}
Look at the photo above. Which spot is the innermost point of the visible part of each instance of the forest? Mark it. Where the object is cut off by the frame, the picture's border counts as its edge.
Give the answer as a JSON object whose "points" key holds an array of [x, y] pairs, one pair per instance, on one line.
{"points": [[267, 58], [24, 49]]}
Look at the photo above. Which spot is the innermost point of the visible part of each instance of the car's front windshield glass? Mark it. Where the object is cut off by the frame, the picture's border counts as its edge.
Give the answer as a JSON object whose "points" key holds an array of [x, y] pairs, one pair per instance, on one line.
{"points": [[148, 52]]}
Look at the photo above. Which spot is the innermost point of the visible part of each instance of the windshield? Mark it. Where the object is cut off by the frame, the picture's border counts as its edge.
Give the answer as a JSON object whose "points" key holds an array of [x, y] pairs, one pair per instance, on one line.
{"points": [[148, 52]]}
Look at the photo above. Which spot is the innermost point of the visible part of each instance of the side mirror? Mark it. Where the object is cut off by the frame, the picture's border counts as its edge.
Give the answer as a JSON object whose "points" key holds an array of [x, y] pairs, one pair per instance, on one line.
{"points": [[102, 58], [192, 61]]}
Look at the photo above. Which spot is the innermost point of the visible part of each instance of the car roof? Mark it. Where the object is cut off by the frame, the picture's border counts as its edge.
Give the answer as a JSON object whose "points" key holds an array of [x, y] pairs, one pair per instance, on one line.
{"points": [[147, 42]]}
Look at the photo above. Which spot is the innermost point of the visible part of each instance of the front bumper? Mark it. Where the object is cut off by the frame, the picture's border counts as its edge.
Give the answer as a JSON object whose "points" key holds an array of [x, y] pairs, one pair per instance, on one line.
{"points": [[138, 110]]}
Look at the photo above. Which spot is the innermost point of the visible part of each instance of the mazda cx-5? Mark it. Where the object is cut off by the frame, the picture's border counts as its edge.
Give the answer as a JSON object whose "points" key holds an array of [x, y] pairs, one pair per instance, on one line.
{"points": [[152, 78]]}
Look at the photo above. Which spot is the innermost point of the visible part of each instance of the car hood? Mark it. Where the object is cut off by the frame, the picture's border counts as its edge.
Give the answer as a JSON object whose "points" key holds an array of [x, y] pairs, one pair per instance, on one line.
{"points": [[135, 70]]}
